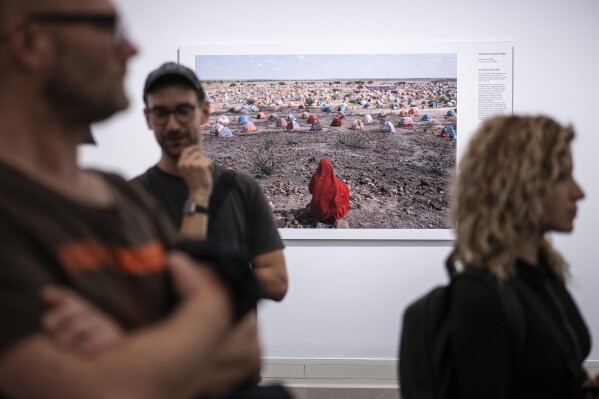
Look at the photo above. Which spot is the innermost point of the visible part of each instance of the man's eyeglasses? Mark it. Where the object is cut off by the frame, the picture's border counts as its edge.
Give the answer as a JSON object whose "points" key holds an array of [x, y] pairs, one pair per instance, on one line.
{"points": [[184, 113], [108, 21]]}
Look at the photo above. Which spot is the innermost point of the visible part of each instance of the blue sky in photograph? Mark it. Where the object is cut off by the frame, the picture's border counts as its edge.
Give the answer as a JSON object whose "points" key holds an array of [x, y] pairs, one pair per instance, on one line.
{"points": [[325, 66]]}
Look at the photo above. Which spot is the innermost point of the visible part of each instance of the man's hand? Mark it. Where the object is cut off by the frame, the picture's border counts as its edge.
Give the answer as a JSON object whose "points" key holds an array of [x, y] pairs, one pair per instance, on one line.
{"points": [[237, 357], [196, 170], [76, 324], [192, 278], [237, 360]]}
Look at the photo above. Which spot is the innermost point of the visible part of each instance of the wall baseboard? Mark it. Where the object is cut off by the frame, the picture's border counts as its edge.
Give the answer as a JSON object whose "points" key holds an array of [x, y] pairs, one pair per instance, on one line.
{"points": [[334, 378], [343, 378]]}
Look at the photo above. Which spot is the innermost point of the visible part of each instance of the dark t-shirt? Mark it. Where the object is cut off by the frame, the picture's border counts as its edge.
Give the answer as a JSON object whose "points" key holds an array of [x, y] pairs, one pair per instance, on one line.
{"points": [[114, 256], [484, 350], [243, 217]]}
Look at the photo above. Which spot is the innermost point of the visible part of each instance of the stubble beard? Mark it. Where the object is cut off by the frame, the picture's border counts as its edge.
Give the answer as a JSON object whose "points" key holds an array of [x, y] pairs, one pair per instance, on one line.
{"points": [[175, 153], [78, 106], [81, 98]]}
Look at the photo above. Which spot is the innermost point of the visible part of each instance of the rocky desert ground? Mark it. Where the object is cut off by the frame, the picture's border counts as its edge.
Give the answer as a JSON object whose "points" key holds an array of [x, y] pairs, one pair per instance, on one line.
{"points": [[398, 180]]}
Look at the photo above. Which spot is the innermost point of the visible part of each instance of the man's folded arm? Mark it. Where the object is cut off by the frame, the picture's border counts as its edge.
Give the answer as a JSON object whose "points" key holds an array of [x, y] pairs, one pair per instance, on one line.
{"points": [[167, 360]]}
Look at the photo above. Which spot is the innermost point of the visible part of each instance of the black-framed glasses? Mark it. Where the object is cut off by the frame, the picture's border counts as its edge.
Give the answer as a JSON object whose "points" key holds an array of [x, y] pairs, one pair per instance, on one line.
{"points": [[184, 113], [108, 21]]}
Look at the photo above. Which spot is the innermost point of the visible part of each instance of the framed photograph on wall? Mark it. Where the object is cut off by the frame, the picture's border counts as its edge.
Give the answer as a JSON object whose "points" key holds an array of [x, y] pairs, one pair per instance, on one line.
{"points": [[388, 121]]}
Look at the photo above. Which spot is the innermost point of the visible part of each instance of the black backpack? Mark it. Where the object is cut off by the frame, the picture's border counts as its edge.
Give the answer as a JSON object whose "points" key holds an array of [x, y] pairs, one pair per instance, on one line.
{"points": [[425, 358]]}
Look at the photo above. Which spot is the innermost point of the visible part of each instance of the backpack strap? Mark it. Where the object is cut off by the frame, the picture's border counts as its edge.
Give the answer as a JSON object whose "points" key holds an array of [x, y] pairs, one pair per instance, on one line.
{"points": [[220, 191]]}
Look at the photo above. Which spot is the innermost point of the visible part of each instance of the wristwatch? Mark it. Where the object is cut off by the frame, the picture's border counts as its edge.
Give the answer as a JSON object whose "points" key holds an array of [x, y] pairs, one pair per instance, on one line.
{"points": [[189, 208]]}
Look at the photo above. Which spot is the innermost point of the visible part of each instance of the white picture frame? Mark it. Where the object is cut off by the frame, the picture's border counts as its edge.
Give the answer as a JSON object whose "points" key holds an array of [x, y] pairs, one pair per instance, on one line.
{"points": [[485, 85]]}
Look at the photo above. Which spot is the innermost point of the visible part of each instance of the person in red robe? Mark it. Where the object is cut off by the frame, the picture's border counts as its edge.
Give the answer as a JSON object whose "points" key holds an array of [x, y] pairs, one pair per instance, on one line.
{"points": [[330, 196]]}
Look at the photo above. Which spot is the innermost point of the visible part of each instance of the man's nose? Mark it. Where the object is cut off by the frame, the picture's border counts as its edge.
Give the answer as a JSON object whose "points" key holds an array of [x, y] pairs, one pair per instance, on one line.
{"points": [[172, 122]]}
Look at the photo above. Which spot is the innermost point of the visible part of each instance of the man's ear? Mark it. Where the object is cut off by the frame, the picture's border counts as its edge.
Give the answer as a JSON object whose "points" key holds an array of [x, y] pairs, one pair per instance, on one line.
{"points": [[147, 116], [204, 112], [26, 45]]}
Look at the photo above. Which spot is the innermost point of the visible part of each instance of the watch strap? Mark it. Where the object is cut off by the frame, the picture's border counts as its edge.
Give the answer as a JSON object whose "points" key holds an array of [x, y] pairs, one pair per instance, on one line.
{"points": [[189, 208]]}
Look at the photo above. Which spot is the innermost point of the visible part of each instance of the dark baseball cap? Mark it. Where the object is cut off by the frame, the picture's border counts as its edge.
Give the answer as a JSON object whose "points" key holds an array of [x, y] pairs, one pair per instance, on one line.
{"points": [[173, 69]]}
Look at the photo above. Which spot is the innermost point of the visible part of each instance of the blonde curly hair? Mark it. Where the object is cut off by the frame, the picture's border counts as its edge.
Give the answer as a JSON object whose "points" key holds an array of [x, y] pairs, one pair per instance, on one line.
{"points": [[511, 164]]}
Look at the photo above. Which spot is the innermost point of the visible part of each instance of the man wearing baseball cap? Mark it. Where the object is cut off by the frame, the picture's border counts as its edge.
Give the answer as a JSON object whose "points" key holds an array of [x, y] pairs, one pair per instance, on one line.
{"points": [[203, 199]]}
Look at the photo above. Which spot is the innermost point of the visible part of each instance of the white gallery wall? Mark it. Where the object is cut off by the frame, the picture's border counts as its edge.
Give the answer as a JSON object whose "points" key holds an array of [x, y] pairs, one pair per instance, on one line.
{"points": [[346, 296]]}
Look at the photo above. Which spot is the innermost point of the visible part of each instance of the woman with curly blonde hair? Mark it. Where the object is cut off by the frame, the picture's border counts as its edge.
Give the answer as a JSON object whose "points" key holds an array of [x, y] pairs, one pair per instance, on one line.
{"points": [[514, 185]]}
